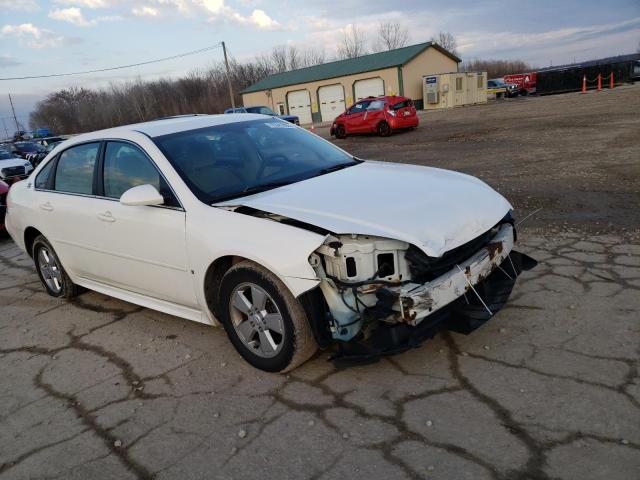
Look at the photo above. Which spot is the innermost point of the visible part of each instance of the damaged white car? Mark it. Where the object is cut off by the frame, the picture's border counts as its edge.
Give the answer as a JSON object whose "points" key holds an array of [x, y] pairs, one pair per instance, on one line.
{"points": [[286, 240]]}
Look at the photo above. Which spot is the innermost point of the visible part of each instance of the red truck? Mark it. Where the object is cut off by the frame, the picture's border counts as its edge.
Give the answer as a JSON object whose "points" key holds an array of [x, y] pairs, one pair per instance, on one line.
{"points": [[526, 82]]}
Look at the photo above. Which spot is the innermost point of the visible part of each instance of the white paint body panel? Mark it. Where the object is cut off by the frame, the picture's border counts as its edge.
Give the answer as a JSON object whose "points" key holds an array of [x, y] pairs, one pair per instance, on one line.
{"points": [[433, 209], [331, 101]]}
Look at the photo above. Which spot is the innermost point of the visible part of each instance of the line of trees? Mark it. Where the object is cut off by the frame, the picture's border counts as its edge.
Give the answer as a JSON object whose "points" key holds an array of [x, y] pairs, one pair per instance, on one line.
{"points": [[78, 109], [496, 68]]}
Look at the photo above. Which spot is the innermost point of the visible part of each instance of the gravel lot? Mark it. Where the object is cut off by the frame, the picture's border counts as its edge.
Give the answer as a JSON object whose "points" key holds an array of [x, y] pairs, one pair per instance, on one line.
{"points": [[550, 388]]}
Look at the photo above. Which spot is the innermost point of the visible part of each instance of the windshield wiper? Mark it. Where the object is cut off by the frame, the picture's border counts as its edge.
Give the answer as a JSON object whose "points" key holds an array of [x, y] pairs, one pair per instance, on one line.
{"points": [[265, 186], [250, 190], [335, 168]]}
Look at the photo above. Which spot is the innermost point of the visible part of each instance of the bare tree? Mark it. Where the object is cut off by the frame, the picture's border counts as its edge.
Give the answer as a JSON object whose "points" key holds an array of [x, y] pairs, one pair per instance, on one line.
{"points": [[391, 35], [279, 58], [447, 41], [294, 60], [313, 56], [353, 43]]}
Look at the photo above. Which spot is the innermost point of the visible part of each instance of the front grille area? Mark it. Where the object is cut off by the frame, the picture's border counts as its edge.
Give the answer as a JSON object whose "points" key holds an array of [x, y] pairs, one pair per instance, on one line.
{"points": [[13, 171]]}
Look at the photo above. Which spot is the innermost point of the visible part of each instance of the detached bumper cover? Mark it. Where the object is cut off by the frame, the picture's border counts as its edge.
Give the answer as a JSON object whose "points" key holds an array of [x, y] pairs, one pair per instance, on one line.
{"points": [[418, 301]]}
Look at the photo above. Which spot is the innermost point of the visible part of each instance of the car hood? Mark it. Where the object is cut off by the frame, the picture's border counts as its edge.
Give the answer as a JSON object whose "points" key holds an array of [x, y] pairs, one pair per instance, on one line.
{"points": [[433, 209], [288, 117]]}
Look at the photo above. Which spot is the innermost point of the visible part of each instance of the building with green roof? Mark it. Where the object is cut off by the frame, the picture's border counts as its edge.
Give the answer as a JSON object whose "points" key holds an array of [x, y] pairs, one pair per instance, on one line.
{"points": [[321, 92]]}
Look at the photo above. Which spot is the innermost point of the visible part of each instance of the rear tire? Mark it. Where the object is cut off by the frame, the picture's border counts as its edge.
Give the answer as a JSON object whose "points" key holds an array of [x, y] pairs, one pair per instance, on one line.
{"points": [[52, 275], [264, 321], [384, 129]]}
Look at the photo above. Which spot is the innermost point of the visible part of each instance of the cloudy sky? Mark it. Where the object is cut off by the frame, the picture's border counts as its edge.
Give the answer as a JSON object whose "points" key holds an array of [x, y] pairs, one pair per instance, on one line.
{"points": [[52, 36]]}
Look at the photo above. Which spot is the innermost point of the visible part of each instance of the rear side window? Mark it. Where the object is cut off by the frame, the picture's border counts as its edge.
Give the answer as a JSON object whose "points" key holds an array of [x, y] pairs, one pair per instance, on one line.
{"points": [[376, 105], [125, 166], [403, 104], [74, 173], [42, 180]]}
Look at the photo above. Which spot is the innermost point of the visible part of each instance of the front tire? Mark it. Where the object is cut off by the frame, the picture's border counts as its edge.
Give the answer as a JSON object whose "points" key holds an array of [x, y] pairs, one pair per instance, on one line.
{"points": [[52, 275], [263, 320], [341, 132]]}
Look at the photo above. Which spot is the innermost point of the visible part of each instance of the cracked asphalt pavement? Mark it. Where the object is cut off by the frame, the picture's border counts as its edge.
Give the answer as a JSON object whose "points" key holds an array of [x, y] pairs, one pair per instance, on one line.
{"points": [[548, 389]]}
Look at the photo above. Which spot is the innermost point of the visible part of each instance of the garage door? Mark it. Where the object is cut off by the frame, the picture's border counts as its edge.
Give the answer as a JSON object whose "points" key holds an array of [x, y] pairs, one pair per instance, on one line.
{"points": [[300, 105], [371, 87], [331, 101]]}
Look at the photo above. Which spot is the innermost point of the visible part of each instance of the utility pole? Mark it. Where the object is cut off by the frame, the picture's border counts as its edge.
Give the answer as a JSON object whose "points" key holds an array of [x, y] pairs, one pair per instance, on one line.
{"points": [[226, 64], [15, 119]]}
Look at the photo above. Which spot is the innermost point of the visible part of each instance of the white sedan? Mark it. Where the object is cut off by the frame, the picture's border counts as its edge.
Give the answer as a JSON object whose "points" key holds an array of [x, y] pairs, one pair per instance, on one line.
{"points": [[256, 224]]}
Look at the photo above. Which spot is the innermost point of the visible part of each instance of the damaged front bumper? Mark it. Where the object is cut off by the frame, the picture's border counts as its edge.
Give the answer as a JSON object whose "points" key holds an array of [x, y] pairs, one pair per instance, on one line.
{"points": [[418, 301], [464, 315], [385, 318]]}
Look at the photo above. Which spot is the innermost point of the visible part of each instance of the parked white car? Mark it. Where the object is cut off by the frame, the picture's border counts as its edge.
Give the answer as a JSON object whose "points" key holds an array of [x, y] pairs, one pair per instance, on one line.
{"points": [[286, 240], [13, 168]]}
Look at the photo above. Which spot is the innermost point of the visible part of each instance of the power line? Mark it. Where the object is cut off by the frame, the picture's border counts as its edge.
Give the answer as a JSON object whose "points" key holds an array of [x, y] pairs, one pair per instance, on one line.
{"points": [[193, 52]]}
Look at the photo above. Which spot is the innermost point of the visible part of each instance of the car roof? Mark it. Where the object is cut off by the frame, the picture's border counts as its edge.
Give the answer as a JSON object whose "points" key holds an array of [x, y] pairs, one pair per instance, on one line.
{"points": [[166, 126], [387, 98]]}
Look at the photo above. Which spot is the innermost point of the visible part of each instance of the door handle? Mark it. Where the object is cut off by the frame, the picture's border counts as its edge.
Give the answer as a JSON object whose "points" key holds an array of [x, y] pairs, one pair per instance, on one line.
{"points": [[106, 217], [46, 206]]}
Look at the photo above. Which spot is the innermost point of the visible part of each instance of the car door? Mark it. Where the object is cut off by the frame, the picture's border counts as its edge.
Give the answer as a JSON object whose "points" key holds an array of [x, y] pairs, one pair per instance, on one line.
{"points": [[354, 122], [145, 245], [67, 208], [373, 115]]}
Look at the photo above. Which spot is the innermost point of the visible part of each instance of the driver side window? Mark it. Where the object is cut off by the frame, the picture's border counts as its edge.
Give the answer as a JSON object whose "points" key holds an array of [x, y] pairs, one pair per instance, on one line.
{"points": [[126, 166], [359, 107]]}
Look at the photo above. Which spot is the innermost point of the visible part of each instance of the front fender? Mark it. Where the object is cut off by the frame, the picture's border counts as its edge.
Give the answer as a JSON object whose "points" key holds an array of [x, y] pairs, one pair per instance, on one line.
{"points": [[213, 233]]}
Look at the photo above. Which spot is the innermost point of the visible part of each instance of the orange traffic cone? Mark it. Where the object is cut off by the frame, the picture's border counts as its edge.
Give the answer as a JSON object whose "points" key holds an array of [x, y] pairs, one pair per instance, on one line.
{"points": [[584, 84], [611, 82], [599, 82]]}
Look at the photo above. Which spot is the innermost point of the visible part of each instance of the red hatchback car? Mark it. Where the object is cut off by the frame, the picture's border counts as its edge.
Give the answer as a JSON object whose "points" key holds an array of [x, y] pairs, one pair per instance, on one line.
{"points": [[381, 115]]}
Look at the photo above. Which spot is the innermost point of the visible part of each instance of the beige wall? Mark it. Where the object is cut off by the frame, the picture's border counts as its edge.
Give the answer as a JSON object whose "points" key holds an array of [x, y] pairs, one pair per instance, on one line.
{"points": [[429, 62], [278, 95]]}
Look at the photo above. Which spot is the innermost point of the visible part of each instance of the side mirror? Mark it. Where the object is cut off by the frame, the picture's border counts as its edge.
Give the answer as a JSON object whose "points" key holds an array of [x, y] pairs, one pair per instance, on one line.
{"points": [[142, 195]]}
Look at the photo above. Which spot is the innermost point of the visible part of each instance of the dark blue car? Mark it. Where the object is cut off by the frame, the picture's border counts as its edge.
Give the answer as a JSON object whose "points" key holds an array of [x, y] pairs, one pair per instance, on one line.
{"points": [[264, 111]]}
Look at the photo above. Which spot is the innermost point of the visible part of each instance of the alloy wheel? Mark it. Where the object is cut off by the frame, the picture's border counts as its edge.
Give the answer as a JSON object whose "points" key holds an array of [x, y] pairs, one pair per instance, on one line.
{"points": [[50, 269], [257, 320]]}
